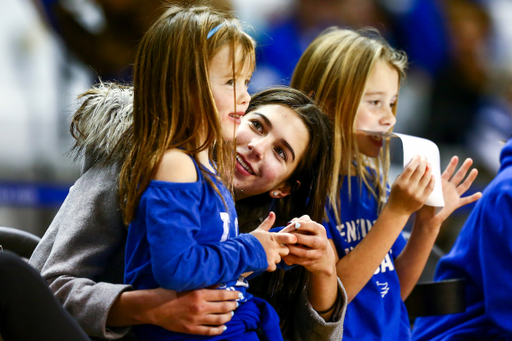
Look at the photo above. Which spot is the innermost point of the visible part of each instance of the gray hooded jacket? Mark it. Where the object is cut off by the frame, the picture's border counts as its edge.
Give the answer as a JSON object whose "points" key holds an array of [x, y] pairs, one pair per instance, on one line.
{"points": [[81, 255]]}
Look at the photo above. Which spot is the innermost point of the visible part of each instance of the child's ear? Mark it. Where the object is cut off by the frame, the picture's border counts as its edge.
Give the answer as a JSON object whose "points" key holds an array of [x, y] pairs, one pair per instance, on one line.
{"points": [[282, 190]]}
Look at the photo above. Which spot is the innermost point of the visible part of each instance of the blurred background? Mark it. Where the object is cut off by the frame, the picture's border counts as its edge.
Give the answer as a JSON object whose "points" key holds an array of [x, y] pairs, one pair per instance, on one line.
{"points": [[458, 92]]}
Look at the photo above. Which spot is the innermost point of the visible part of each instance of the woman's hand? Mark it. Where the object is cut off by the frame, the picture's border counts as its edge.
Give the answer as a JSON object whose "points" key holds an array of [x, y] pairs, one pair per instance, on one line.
{"points": [[275, 244], [201, 312], [411, 188], [312, 250], [453, 189]]}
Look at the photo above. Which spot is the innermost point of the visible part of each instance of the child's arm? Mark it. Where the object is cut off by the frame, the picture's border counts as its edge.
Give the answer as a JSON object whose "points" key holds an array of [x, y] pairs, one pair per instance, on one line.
{"points": [[408, 193], [410, 263], [179, 262]]}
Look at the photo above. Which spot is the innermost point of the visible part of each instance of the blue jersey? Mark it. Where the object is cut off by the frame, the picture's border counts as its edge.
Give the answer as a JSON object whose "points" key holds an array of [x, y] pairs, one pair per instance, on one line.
{"points": [[377, 312], [482, 254], [185, 237]]}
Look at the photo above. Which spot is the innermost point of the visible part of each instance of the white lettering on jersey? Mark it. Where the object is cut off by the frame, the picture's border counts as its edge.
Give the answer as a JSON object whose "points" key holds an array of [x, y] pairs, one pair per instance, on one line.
{"points": [[351, 231], [387, 264], [224, 216], [384, 288], [355, 230]]}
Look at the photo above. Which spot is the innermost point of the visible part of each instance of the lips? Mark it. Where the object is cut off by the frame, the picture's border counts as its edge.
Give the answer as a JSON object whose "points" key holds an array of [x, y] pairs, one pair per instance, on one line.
{"points": [[237, 117], [377, 140], [243, 166]]}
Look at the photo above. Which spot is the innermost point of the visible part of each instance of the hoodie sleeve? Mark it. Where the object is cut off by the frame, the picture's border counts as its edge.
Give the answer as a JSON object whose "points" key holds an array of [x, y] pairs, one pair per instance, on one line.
{"points": [[310, 326], [81, 256], [495, 254]]}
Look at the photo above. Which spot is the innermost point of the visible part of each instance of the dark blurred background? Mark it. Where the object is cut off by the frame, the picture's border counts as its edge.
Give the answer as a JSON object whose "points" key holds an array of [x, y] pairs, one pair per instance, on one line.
{"points": [[458, 91]]}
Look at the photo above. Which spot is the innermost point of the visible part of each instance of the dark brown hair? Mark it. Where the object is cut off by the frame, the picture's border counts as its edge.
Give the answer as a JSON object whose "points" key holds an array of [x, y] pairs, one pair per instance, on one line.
{"points": [[280, 288]]}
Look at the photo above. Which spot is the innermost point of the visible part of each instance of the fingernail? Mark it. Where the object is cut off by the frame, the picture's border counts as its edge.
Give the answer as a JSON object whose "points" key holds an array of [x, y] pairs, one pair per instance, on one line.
{"points": [[297, 225], [237, 304], [240, 296], [232, 313], [224, 328]]}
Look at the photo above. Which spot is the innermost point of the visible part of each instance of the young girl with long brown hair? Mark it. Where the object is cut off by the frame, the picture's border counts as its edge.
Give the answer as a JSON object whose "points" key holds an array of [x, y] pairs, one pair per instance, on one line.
{"points": [[355, 76], [183, 229]]}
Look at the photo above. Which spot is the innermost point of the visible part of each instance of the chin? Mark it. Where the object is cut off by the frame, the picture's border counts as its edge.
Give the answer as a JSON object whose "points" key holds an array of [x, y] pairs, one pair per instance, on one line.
{"points": [[229, 133], [370, 153]]}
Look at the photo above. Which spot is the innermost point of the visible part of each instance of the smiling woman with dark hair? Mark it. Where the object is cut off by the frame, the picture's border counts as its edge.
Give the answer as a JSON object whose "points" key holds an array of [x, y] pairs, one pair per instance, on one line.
{"points": [[85, 270]]}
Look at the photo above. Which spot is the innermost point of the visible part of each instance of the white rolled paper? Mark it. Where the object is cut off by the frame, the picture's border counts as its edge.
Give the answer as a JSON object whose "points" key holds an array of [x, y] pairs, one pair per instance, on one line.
{"points": [[412, 146]]}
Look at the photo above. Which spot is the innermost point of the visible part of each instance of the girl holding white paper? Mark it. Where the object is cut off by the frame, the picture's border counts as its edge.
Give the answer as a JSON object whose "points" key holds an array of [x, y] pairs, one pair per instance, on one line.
{"points": [[358, 88]]}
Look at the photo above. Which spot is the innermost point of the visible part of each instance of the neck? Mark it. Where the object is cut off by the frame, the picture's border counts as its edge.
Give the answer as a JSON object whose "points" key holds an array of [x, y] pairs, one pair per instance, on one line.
{"points": [[205, 161]]}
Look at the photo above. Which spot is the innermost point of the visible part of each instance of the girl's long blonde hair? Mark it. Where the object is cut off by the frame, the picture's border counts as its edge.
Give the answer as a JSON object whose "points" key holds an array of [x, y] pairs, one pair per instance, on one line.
{"points": [[335, 70], [173, 103]]}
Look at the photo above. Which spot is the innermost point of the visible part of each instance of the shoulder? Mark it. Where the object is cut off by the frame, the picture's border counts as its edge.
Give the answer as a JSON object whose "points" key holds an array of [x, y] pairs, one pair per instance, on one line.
{"points": [[176, 166]]}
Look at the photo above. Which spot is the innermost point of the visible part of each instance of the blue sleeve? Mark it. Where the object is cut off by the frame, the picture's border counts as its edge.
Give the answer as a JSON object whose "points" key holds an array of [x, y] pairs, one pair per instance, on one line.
{"points": [[276, 229], [282, 264], [495, 255], [179, 262]]}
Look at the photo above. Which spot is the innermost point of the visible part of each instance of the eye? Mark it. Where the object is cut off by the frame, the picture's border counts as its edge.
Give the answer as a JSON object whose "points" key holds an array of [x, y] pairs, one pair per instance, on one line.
{"points": [[230, 82], [375, 103], [257, 125], [281, 153], [392, 105], [247, 82]]}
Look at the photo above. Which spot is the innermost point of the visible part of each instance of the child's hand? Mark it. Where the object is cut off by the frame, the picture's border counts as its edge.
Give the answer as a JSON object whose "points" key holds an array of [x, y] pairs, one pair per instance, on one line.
{"points": [[453, 190], [313, 250], [273, 242], [411, 188]]}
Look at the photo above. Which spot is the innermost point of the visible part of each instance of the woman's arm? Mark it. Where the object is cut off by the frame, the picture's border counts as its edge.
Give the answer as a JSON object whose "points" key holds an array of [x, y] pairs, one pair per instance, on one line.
{"points": [[410, 263], [81, 256], [314, 252], [324, 292], [202, 312]]}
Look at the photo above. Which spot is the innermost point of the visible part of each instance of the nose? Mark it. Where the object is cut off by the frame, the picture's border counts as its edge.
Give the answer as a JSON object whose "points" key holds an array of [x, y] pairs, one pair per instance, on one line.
{"points": [[257, 147], [243, 98], [388, 118]]}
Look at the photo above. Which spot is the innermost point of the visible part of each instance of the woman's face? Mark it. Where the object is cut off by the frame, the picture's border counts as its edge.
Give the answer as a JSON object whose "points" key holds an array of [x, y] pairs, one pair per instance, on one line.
{"points": [[270, 142], [223, 84], [376, 108]]}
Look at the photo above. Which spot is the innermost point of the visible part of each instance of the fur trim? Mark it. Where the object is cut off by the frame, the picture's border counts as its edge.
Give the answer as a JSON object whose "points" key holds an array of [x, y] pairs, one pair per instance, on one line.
{"points": [[100, 126]]}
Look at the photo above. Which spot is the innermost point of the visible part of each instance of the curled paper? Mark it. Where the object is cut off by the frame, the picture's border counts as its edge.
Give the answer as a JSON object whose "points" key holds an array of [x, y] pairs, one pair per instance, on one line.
{"points": [[412, 146]]}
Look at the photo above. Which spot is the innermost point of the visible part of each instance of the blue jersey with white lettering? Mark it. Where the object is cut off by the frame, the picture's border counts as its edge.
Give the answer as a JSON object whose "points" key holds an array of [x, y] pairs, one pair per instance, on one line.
{"points": [[185, 237], [377, 312]]}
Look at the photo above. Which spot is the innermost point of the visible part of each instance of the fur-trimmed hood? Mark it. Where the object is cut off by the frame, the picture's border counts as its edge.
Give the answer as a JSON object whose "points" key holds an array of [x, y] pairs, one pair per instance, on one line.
{"points": [[101, 123]]}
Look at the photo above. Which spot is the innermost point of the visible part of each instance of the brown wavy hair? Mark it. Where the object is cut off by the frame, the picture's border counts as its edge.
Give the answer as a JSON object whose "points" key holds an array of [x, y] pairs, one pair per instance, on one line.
{"points": [[173, 104]]}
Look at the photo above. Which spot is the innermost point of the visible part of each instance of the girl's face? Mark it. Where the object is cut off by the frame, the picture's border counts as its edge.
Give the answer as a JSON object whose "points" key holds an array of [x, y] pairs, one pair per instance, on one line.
{"points": [[223, 84], [376, 109], [270, 142]]}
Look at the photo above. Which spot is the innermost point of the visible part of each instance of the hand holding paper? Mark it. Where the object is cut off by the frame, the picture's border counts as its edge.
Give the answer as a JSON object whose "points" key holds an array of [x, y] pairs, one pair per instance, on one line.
{"points": [[449, 187], [412, 146]]}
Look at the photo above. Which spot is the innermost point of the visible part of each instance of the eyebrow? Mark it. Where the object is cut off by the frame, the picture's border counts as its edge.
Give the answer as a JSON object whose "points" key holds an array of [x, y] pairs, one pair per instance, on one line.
{"points": [[375, 93], [283, 141]]}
